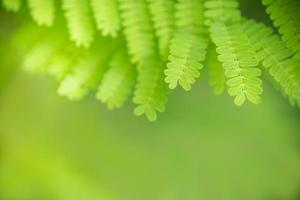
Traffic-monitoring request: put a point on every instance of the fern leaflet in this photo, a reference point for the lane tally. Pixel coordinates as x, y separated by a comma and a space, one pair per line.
87, 72
276, 58
189, 14
106, 14
151, 92
53, 54
285, 16
216, 75
222, 11
62, 62
37, 59
82, 79
162, 13
118, 81
239, 62
138, 29
12, 5
187, 52
188, 47
79, 20
42, 11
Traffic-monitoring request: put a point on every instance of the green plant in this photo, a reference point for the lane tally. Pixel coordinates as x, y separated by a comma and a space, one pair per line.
145, 46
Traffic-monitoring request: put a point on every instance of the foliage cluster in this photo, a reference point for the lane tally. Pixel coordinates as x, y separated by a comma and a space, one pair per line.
120, 48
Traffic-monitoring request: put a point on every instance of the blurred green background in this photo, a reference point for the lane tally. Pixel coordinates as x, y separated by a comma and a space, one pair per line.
203, 147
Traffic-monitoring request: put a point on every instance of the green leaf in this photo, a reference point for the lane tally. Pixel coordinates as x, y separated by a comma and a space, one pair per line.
107, 16
12, 5
118, 81
151, 92
42, 11
79, 20
239, 62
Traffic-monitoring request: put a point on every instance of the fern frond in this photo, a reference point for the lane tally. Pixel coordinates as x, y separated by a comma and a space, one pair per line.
276, 58
151, 91
189, 14
107, 18
42, 11
239, 61
38, 57
87, 72
83, 78
79, 20
52, 54
162, 13
285, 16
138, 29
188, 50
77, 69
216, 75
222, 11
62, 62
189, 45
12, 5
118, 81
